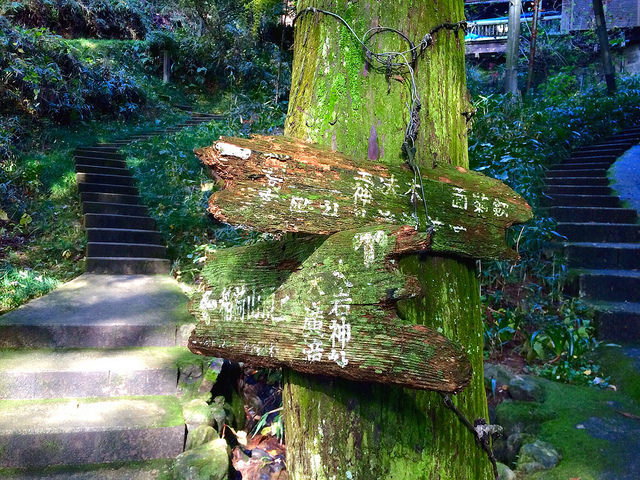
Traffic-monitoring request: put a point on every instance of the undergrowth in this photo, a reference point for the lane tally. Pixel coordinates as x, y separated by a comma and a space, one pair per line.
526, 306
176, 188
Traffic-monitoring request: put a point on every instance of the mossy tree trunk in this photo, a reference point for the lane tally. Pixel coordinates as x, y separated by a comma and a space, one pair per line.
337, 429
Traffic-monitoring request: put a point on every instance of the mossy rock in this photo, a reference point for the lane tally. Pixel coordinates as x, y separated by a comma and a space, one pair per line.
522, 417
206, 462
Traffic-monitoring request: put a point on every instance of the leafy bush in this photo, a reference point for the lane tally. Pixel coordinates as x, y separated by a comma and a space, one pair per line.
81, 18
525, 304
17, 286
42, 77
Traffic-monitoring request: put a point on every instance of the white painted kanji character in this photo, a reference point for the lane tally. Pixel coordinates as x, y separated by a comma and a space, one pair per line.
313, 319
500, 208
459, 198
314, 351
389, 185
480, 203
300, 204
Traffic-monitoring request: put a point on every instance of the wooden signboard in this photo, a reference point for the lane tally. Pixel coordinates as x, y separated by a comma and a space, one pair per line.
325, 302
275, 184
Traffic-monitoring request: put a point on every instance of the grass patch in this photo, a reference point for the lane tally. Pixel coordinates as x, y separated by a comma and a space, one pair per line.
17, 286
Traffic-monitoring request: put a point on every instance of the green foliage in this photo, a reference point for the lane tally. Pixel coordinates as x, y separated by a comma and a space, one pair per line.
20, 285
176, 187
81, 18
525, 304
42, 77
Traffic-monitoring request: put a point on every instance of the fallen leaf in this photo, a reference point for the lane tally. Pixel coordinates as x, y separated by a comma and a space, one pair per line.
629, 415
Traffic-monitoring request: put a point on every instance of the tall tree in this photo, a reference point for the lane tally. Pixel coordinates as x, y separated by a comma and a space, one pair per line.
513, 47
341, 99
603, 41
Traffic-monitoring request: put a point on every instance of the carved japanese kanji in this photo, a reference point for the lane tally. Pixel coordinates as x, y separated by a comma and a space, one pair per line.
325, 302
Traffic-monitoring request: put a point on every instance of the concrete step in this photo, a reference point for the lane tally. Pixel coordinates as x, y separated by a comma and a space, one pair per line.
128, 266
579, 172
124, 180
583, 201
592, 159
99, 161
593, 214
130, 250
610, 285
89, 372
106, 188
124, 235
577, 190
115, 208
602, 181
618, 321
101, 169
603, 255
116, 144
112, 154
608, 145
100, 147
97, 220
580, 166
588, 153
148, 470
106, 311
599, 232
39, 433
109, 198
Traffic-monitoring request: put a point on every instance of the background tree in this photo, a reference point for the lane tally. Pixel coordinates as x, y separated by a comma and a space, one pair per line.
513, 47
338, 429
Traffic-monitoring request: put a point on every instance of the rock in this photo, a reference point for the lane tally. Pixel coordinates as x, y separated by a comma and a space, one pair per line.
514, 444
537, 455
505, 472
210, 376
206, 462
197, 412
200, 435
501, 374
219, 412
525, 388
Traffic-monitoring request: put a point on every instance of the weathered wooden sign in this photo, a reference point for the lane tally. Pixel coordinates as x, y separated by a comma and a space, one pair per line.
325, 302
328, 310
275, 184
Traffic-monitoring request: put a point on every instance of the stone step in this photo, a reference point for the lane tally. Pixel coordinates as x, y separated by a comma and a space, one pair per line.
102, 169
608, 145
593, 214
599, 232
106, 188
99, 161
116, 144
109, 198
592, 159
98, 147
97, 220
579, 172
99, 153
128, 265
583, 201
115, 208
39, 433
106, 311
589, 153
603, 255
129, 250
148, 470
104, 179
577, 190
580, 166
124, 235
580, 181
89, 372
610, 285
618, 321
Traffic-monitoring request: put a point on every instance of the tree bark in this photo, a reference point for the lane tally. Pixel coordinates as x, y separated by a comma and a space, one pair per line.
513, 48
603, 41
166, 66
340, 429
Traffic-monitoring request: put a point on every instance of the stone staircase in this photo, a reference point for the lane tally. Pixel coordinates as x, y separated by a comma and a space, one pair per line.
603, 238
122, 237
89, 372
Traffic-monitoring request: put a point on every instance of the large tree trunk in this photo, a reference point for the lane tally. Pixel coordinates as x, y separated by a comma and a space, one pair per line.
336, 429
